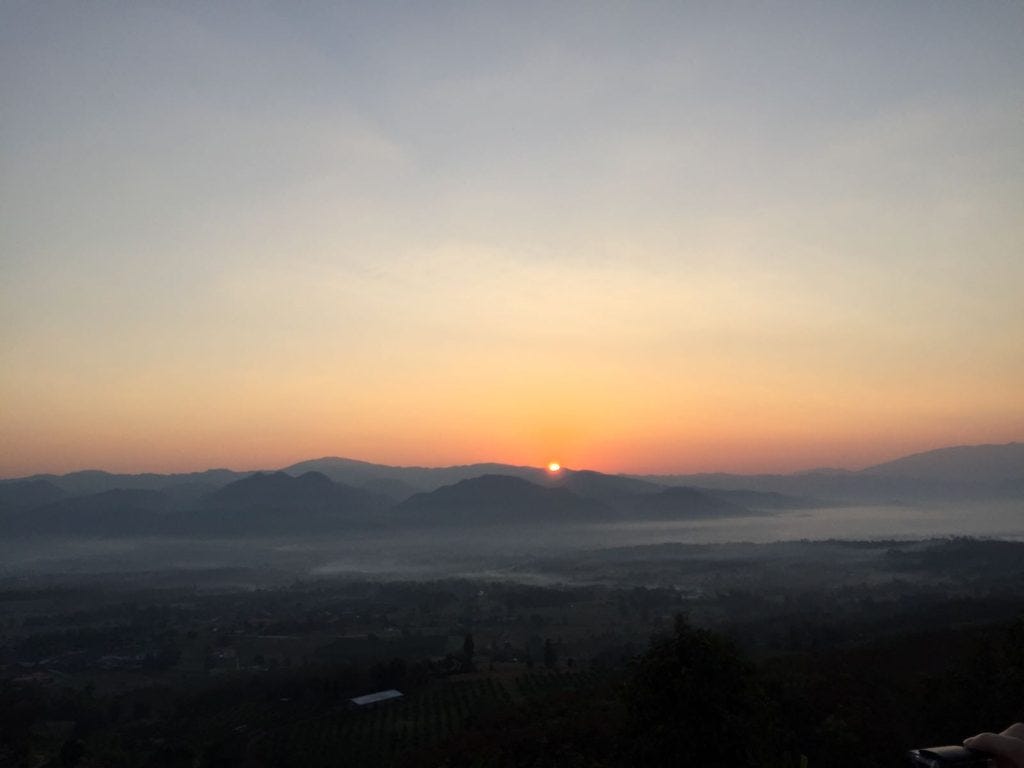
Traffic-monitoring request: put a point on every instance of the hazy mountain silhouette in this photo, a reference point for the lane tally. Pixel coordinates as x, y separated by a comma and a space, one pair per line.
400, 483
299, 501
276, 489
395, 490
497, 500
278, 503
959, 473
25, 494
90, 481
614, 490
190, 494
680, 503
963, 463
364, 474
118, 512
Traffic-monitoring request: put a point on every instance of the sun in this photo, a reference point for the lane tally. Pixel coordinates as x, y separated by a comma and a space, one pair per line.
554, 466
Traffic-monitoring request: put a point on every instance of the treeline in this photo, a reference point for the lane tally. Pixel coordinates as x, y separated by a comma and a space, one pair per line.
692, 698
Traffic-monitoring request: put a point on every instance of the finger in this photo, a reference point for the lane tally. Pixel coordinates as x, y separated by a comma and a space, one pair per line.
998, 744
1016, 730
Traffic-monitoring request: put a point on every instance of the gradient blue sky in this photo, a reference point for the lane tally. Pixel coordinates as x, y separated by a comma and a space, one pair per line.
631, 236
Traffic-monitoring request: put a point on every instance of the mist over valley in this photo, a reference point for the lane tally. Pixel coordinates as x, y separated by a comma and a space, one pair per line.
343, 516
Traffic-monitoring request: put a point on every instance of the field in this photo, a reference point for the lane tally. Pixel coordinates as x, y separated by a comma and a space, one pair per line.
388, 734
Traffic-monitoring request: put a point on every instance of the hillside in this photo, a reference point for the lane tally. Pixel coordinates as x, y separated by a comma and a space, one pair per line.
959, 473
367, 475
337, 494
963, 463
25, 494
681, 503
497, 500
277, 503
119, 512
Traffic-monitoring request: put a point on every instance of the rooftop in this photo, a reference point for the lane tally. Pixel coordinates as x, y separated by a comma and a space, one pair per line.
374, 698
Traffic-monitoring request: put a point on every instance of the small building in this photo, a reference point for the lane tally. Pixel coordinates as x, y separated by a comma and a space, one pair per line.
375, 699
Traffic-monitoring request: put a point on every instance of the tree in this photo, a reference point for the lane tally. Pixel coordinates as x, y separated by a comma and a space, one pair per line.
72, 752
694, 700
550, 654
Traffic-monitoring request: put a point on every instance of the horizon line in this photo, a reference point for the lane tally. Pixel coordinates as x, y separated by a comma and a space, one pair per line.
541, 467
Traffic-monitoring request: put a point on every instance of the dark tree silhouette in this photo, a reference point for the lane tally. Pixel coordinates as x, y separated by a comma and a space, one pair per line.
694, 700
550, 654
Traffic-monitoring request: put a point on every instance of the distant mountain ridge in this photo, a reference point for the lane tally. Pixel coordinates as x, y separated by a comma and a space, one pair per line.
497, 500
964, 463
276, 503
507, 500
117, 512
968, 463
681, 502
957, 473
415, 479
96, 481
281, 490
28, 493
334, 495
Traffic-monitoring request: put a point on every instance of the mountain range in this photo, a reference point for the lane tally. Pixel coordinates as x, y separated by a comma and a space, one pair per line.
335, 495
958, 473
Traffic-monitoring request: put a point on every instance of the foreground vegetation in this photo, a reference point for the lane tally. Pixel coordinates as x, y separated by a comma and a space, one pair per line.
852, 673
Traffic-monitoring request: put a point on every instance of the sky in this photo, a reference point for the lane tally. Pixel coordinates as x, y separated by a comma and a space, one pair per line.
643, 237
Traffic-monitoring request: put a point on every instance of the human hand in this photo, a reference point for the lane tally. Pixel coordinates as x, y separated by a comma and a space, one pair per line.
1007, 747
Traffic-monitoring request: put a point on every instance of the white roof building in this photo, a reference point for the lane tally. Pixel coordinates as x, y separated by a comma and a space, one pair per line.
375, 698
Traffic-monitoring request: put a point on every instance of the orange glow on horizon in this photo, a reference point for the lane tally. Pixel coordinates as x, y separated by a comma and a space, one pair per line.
412, 279
620, 451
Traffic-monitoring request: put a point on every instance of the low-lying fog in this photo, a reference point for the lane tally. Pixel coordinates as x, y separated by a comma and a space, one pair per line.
500, 553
